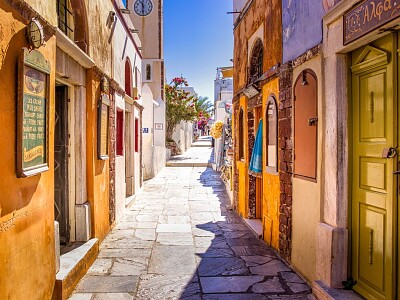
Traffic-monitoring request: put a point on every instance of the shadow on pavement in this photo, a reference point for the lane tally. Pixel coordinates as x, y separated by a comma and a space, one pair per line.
232, 263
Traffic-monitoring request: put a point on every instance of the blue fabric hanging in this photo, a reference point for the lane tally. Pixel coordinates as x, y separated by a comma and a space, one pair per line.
256, 166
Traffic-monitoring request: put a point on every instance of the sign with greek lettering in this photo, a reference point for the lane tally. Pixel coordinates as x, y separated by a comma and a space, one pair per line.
33, 91
367, 16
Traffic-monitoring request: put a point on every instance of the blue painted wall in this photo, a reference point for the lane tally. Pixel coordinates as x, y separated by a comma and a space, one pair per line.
301, 25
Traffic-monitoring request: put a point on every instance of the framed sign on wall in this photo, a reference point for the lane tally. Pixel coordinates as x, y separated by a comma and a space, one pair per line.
33, 114
102, 127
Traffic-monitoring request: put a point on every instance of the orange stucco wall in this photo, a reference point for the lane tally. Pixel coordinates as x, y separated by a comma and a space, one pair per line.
271, 185
97, 170
27, 255
268, 14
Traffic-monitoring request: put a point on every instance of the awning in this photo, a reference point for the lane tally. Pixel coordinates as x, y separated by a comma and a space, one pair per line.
227, 72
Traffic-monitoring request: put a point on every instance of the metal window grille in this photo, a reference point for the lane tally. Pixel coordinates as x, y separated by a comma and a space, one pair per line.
260, 63
64, 15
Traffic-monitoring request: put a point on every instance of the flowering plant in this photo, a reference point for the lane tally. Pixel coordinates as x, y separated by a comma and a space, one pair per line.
216, 129
180, 106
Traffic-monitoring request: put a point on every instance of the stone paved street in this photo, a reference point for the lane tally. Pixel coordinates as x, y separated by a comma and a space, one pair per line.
180, 240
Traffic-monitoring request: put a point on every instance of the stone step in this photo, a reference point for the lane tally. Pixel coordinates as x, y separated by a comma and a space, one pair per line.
202, 145
255, 225
73, 266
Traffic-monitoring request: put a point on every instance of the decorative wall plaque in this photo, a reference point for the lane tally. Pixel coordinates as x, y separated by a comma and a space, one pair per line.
33, 111
367, 16
102, 127
159, 126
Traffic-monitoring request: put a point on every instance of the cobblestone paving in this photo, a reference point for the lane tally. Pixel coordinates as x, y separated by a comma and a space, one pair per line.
179, 240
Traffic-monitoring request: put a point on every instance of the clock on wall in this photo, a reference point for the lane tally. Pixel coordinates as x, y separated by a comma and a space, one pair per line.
143, 7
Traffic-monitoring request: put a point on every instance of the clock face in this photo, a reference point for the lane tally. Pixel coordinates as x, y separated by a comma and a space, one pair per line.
143, 7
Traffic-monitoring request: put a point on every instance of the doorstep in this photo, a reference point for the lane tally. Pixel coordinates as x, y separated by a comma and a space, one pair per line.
256, 226
73, 265
323, 292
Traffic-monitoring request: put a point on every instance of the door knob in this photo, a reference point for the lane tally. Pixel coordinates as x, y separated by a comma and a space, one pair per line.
389, 152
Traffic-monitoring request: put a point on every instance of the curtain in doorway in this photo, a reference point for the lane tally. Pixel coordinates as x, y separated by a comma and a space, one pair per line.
255, 167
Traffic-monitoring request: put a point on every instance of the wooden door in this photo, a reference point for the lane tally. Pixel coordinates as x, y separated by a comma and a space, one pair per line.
61, 214
374, 199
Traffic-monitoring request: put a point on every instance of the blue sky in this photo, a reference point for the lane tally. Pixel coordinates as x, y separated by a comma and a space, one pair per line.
198, 38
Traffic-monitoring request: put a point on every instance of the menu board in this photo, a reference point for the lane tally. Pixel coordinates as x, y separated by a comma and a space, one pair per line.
32, 154
103, 127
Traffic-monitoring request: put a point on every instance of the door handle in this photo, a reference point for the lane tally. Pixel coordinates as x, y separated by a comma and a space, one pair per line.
389, 152
313, 121
396, 173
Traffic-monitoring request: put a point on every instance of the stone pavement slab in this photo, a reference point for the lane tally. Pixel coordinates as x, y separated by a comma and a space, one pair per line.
186, 243
107, 284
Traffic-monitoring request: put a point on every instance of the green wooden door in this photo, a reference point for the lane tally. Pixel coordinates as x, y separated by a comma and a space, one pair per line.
374, 197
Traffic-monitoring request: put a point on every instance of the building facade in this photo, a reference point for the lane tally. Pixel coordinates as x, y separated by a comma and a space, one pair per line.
148, 21
358, 228
71, 138
257, 52
336, 89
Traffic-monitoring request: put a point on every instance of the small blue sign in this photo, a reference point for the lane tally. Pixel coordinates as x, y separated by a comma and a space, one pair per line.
145, 130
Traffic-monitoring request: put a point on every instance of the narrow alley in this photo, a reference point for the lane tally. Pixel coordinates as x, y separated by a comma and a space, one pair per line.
179, 239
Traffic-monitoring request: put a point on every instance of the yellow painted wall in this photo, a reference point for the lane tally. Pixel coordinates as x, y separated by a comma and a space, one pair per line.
27, 259
306, 210
243, 165
97, 170
271, 184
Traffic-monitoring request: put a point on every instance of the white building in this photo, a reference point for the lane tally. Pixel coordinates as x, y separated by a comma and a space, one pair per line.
148, 27
223, 95
127, 66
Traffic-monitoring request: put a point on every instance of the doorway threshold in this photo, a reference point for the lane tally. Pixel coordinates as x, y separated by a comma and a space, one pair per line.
256, 226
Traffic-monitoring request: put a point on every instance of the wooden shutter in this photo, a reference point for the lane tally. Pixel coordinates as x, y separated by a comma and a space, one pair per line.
305, 125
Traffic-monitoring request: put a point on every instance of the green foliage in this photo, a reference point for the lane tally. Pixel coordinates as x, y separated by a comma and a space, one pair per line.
179, 105
204, 106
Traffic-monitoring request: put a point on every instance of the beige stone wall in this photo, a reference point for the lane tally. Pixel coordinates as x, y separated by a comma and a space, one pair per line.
47, 9
100, 35
307, 195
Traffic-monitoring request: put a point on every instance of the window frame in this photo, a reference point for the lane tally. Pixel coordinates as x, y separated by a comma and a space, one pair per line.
271, 100
120, 134
301, 80
241, 135
68, 20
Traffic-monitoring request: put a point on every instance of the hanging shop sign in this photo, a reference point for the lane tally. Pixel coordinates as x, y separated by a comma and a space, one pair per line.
367, 16
103, 127
33, 114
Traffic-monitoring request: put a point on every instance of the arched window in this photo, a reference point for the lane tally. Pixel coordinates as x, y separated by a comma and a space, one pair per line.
72, 20
256, 61
148, 72
241, 134
65, 18
271, 118
128, 78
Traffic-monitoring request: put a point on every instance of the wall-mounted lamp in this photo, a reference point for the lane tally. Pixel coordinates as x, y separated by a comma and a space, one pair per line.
133, 30
125, 11
304, 81
111, 18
